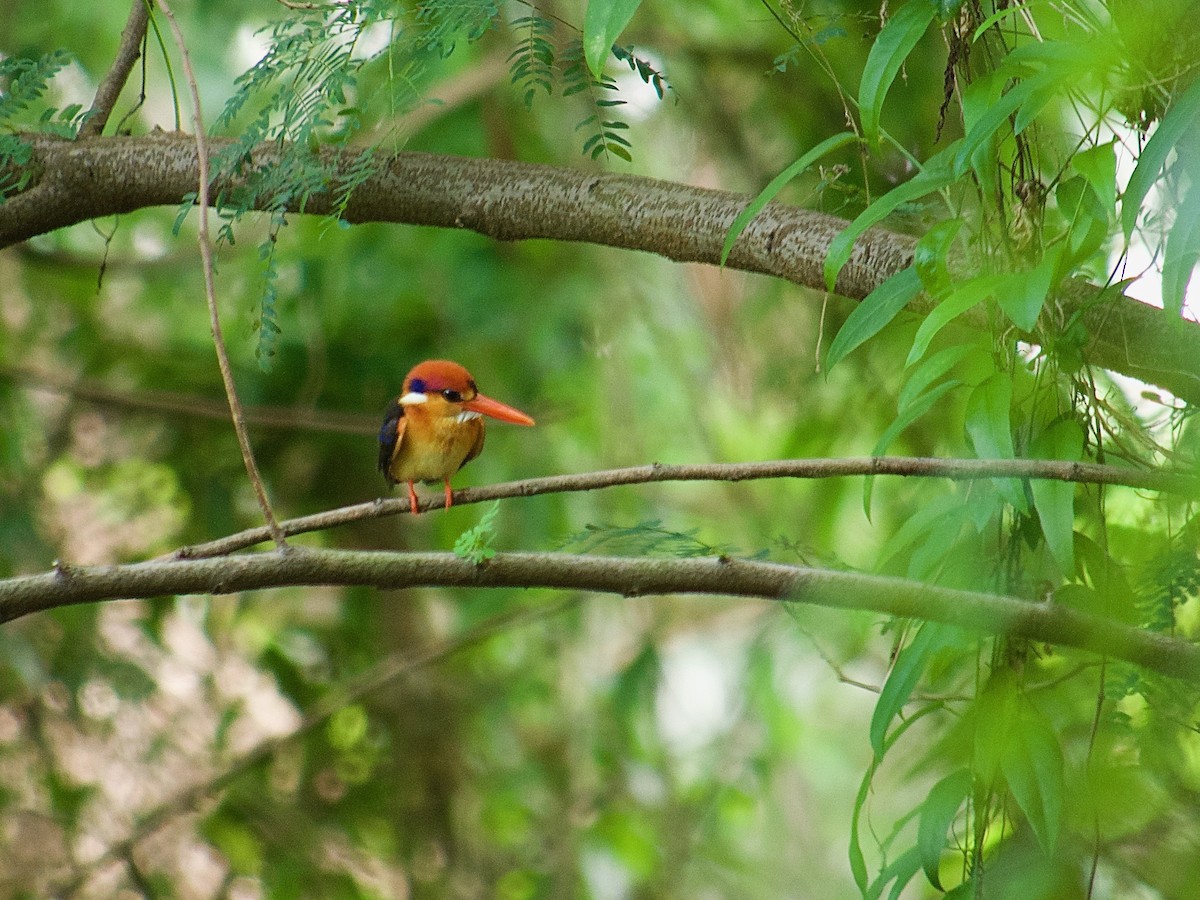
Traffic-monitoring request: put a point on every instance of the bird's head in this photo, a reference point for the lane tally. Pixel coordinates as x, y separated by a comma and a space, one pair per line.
444, 389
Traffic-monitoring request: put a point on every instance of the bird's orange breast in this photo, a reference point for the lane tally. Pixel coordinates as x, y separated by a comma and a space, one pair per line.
432, 448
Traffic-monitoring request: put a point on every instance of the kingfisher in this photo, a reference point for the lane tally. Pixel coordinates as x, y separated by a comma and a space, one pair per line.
435, 427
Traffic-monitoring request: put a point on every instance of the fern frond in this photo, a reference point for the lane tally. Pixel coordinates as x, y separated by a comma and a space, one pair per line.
1170, 581
644, 70
267, 325
531, 65
601, 138
23, 81
648, 538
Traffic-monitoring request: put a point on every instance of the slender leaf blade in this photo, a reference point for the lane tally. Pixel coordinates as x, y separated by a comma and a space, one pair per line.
877, 309
931, 370
891, 48
771, 191
1055, 500
965, 297
902, 679
1024, 293
1098, 166
1175, 125
936, 175
989, 426
937, 815
904, 418
1031, 761
1182, 250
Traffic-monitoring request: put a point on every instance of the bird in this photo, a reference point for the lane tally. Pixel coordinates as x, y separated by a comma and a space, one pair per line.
435, 427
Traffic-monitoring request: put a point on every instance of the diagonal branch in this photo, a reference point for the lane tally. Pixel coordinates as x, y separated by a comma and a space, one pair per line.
206, 255
76, 181
987, 613
923, 467
114, 81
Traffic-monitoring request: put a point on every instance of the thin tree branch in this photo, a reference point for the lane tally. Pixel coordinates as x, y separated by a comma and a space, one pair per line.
987, 613
210, 293
384, 673
921, 467
76, 181
191, 406
114, 81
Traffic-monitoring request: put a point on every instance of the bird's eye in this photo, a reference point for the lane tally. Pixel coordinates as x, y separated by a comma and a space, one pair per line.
452, 396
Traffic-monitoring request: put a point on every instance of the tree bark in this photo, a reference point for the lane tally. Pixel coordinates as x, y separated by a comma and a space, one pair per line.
990, 613
74, 181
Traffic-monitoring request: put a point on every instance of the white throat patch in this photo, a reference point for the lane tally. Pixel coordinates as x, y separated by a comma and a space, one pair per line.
466, 416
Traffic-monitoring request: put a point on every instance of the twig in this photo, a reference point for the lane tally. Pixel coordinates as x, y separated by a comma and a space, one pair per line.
193, 406
910, 466
202, 199
629, 576
114, 81
383, 674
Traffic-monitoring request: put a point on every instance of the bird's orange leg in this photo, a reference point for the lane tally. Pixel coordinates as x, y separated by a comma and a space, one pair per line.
412, 500
447, 482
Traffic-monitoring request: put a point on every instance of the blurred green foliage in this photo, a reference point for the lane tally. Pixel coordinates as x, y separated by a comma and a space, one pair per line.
434, 743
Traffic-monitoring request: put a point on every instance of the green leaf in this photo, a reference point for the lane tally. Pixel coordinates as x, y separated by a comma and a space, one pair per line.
902, 869
602, 25
771, 191
937, 815
931, 555
989, 427
936, 175
988, 421
904, 418
1098, 166
858, 864
1032, 764
877, 309
1175, 125
918, 525
931, 370
1023, 294
1182, 250
475, 544
995, 118
895, 42
902, 679
1089, 218
931, 256
965, 297
1055, 500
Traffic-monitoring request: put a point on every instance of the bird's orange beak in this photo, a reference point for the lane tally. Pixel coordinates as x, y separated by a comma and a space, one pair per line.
496, 410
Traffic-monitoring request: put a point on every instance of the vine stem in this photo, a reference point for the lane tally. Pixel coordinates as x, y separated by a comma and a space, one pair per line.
210, 294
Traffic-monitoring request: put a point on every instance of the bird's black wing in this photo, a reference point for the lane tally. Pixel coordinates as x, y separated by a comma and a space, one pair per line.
390, 434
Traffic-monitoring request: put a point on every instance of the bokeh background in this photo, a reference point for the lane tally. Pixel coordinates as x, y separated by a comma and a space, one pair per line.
575, 745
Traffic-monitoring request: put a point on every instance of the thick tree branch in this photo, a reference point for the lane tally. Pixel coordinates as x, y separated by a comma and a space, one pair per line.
953, 469
980, 612
118, 73
386, 672
81, 180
